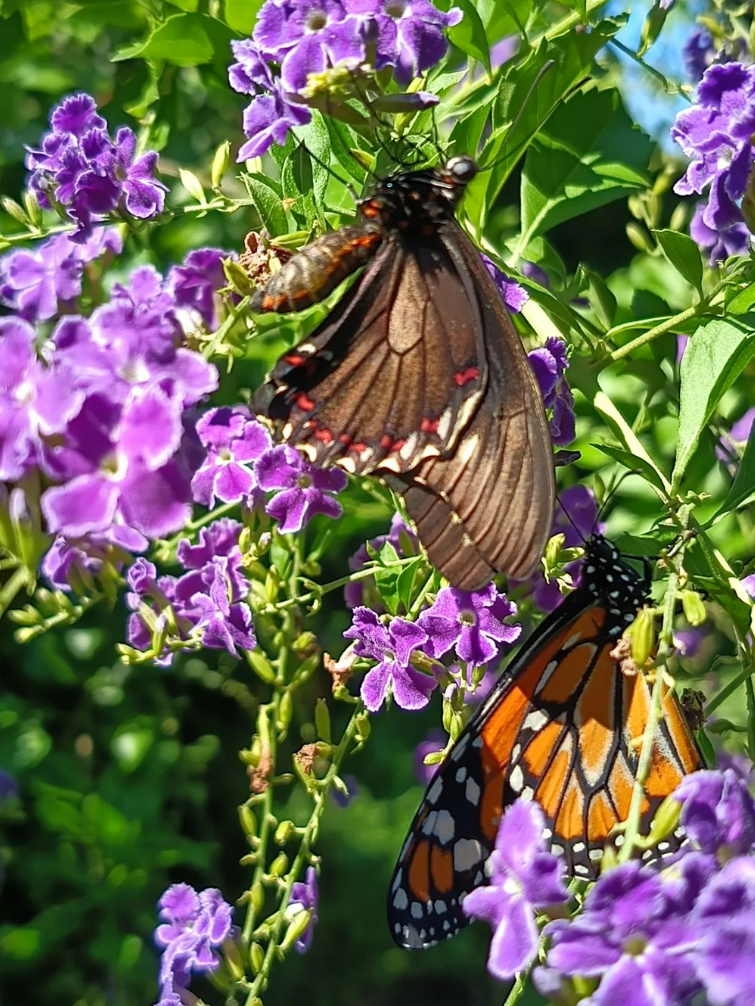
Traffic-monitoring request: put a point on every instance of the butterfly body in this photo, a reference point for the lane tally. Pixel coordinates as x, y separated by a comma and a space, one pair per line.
419, 376
563, 726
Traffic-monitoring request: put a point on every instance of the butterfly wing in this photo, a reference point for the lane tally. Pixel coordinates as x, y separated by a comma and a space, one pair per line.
395, 372
488, 506
562, 727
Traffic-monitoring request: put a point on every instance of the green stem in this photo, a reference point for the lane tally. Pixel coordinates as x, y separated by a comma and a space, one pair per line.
654, 333
667, 86
326, 588
727, 690
211, 348
21, 578
655, 713
303, 856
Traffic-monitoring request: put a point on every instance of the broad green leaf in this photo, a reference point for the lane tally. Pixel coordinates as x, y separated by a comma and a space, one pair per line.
632, 462
342, 140
648, 544
186, 5
469, 34
183, 40
743, 301
538, 82
683, 254
587, 155
266, 197
714, 359
742, 489
241, 15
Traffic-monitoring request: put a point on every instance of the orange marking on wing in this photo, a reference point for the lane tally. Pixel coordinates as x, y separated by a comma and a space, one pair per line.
502, 726
637, 706
620, 784
442, 869
491, 806
539, 748
548, 793
569, 821
681, 737
304, 402
563, 682
419, 871
600, 818
595, 717
295, 359
663, 777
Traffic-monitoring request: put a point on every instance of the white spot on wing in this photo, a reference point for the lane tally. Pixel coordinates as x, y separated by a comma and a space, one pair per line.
435, 790
467, 853
400, 900
516, 779
536, 720
444, 827
472, 792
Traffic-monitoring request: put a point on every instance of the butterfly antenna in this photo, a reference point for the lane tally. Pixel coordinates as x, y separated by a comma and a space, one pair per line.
301, 145
568, 516
614, 489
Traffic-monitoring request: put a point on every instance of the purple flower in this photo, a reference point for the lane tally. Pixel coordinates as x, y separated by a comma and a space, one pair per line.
536, 273
729, 447
206, 602
74, 564
577, 519
89, 173
723, 243
630, 937
523, 878
392, 647
722, 929
193, 927
34, 282
8, 786
748, 583
398, 536
718, 811
267, 120
473, 623
435, 741
688, 641
304, 897
306, 490
512, 293
234, 441
716, 134
406, 34
195, 284
698, 54
306, 36
549, 363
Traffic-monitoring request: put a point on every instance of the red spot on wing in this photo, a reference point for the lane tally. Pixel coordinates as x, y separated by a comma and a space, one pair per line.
325, 436
463, 377
295, 359
358, 447
429, 425
386, 441
304, 402
344, 438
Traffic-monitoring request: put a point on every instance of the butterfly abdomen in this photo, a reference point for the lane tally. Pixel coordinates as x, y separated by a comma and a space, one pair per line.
317, 270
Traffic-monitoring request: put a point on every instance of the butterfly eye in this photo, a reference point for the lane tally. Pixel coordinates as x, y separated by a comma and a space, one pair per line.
462, 169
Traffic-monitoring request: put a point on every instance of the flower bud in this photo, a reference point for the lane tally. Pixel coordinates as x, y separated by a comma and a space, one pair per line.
363, 727
192, 184
693, 607
283, 832
279, 865
261, 665
12, 208
248, 820
256, 957
296, 929
257, 896
322, 720
642, 636
220, 163
666, 820
31, 204
285, 712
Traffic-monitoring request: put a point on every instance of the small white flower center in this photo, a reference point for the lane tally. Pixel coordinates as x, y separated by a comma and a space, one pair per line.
25, 393
635, 945
512, 886
467, 618
114, 466
225, 454
135, 371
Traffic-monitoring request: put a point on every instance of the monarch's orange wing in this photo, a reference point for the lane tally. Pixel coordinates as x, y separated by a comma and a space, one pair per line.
562, 727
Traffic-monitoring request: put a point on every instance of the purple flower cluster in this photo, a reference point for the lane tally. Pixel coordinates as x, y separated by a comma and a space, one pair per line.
647, 934
80, 166
194, 926
297, 42
35, 283
549, 363
469, 623
206, 603
716, 134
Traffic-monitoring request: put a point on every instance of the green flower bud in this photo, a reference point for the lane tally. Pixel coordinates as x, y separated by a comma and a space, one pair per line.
220, 163
285, 712
693, 607
641, 637
296, 929
256, 957
322, 720
248, 820
279, 865
192, 184
284, 831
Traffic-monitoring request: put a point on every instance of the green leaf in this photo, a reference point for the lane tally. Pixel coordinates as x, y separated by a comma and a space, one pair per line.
646, 544
530, 88
627, 436
683, 254
632, 462
266, 196
742, 489
183, 40
241, 15
588, 154
469, 34
742, 301
187, 5
714, 359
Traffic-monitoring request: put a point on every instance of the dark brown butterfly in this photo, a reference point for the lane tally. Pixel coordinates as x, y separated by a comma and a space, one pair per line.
419, 376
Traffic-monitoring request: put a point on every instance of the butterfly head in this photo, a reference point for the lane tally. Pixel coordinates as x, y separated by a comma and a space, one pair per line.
613, 581
410, 199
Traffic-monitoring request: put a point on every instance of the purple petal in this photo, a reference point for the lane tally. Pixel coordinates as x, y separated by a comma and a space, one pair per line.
375, 686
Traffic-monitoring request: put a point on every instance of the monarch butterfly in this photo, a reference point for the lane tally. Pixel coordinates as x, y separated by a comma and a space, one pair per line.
561, 727
418, 374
